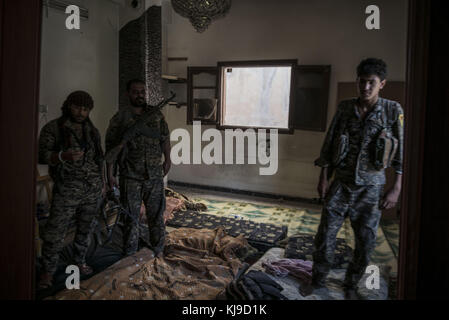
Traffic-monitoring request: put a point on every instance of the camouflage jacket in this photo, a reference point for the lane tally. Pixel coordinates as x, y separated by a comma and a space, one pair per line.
141, 159
357, 167
61, 135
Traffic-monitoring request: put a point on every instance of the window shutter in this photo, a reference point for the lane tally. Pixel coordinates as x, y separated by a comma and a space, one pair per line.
311, 98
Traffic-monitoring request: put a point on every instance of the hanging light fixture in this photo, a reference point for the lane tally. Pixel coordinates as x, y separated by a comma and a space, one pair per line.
201, 12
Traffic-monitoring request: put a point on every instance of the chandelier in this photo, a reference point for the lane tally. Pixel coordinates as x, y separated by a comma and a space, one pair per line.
201, 12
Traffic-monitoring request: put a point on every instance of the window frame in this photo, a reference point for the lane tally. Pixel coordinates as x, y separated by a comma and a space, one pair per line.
191, 72
256, 63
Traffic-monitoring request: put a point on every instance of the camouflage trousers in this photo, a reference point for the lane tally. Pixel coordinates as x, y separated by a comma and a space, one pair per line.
73, 200
151, 192
361, 204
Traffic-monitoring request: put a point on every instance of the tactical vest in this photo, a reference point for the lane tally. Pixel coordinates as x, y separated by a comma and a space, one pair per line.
383, 148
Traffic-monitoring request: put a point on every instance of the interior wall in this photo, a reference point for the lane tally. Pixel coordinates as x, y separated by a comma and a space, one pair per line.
84, 59
325, 32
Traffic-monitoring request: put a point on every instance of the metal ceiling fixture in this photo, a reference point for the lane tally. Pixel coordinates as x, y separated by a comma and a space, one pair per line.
201, 12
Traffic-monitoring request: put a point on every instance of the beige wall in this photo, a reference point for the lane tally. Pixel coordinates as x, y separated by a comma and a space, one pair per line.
314, 32
85, 59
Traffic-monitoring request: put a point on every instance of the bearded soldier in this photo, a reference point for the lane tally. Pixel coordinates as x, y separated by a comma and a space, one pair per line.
71, 147
141, 169
365, 137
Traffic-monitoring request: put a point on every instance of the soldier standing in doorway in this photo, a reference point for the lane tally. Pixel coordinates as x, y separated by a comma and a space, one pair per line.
365, 137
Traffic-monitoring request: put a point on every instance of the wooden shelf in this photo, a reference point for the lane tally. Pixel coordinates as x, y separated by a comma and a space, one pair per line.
179, 80
179, 104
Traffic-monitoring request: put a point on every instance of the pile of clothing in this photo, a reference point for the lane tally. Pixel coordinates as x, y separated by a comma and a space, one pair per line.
254, 285
175, 201
297, 268
187, 204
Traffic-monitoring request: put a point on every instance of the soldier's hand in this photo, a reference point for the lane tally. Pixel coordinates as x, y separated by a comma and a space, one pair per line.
323, 187
390, 199
72, 155
167, 166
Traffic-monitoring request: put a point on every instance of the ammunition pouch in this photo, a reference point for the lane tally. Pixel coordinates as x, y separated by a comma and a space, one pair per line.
340, 150
385, 148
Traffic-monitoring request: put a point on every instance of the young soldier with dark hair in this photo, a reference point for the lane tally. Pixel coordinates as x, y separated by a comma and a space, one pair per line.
71, 146
140, 166
349, 151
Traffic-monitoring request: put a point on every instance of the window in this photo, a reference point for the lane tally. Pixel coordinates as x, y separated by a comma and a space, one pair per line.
256, 94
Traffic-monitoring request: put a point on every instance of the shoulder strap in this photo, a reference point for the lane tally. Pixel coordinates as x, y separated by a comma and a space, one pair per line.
96, 139
62, 136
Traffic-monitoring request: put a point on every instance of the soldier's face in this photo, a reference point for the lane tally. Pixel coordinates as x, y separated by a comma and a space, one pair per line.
369, 86
79, 114
136, 94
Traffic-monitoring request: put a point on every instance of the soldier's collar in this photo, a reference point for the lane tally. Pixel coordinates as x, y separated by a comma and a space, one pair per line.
377, 106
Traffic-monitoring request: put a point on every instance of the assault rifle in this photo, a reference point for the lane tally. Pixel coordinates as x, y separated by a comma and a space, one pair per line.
138, 128
110, 203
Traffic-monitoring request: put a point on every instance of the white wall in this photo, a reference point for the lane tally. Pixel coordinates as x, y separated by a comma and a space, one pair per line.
315, 32
85, 59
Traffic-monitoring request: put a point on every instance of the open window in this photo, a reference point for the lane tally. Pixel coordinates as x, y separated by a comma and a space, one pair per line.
256, 94
260, 94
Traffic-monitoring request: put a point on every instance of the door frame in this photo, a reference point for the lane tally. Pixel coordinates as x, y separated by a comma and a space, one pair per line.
416, 103
20, 27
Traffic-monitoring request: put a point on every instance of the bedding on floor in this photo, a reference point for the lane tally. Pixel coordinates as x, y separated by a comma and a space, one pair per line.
302, 247
301, 221
197, 265
334, 281
261, 236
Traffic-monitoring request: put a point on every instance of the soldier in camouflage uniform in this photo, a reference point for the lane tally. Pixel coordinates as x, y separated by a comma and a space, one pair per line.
140, 167
357, 188
71, 146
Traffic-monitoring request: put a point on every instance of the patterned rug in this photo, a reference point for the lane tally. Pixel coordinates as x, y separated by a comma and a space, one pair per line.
391, 230
262, 236
298, 221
